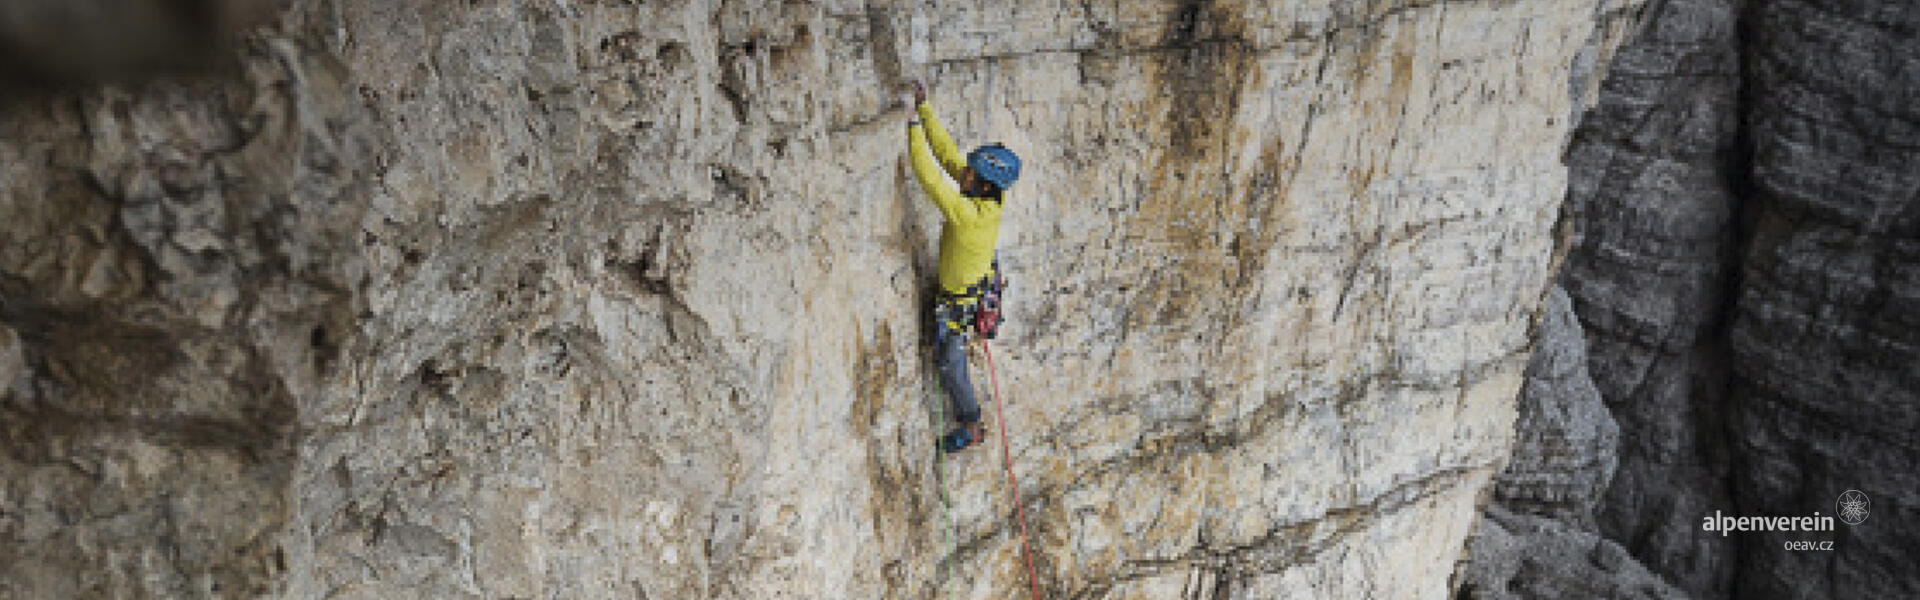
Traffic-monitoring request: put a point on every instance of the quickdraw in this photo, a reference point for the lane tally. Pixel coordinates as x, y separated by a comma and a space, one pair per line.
986, 316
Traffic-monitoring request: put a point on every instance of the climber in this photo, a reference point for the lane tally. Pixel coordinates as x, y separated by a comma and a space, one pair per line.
969, 275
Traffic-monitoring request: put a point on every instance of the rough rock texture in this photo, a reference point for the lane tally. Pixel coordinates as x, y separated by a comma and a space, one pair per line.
1824, 333
1747, 272
1564, 454
1655, 211
584, 299
1539, 538
1521, 555
180, 269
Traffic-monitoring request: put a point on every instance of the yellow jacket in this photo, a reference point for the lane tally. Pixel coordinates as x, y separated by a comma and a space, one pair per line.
971, 225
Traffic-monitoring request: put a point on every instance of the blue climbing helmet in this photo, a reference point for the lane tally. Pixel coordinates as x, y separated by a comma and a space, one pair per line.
995, 163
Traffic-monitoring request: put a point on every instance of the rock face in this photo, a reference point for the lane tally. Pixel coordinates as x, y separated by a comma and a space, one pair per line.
1539, 538
587, 299
1564, 456
180, 274
1745, 265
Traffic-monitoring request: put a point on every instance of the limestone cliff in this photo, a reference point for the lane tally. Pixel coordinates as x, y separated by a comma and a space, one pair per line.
1747, 248
612, 298
1755, 190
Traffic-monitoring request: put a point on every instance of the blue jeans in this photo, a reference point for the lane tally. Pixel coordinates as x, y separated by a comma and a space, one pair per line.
950, 354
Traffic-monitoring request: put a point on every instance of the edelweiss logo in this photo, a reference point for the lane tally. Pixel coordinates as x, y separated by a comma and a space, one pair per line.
1853, 507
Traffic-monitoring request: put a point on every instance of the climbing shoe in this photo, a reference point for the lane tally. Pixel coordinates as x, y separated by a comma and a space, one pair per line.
956, 440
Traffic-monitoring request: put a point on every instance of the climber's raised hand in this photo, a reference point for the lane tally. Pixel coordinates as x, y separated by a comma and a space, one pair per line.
919, 92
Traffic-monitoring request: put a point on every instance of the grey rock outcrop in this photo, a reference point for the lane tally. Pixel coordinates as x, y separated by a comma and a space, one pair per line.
1744, 194
1824, 332
1649, 273
1520, 555
1539, 538
1565, 440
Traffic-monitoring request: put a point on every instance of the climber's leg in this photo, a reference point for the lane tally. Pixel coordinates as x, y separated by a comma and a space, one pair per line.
950, 352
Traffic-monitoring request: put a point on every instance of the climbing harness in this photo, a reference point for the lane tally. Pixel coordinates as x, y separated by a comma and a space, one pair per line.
1019, 512
979, 307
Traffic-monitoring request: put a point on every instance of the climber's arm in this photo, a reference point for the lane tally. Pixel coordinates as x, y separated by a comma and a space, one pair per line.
943, 194
943, 146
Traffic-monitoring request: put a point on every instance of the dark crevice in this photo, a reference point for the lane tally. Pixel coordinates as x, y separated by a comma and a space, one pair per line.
1743, 192
733, 76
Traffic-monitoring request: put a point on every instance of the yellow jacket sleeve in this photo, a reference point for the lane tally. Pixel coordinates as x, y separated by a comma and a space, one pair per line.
943, 194
972, 225
943, 146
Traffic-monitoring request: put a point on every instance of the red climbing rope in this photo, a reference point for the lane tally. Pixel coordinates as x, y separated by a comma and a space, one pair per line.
1000, 415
